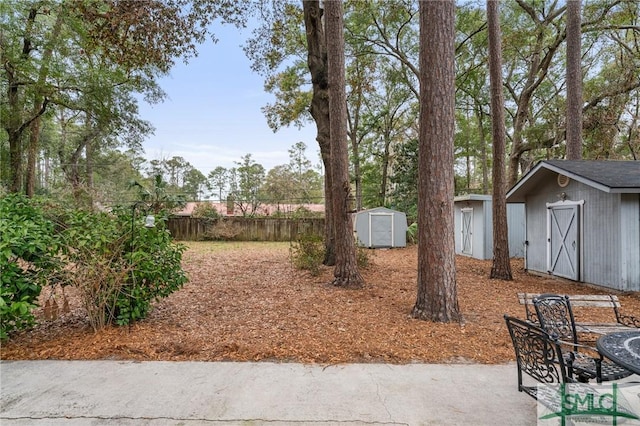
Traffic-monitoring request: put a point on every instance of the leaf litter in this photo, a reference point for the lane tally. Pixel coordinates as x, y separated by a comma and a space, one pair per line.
246, 302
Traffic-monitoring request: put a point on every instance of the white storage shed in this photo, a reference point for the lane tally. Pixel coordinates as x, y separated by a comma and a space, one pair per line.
474, 226
381, 227
583, 221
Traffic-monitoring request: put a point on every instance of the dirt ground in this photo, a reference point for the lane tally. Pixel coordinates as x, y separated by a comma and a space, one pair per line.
245, 302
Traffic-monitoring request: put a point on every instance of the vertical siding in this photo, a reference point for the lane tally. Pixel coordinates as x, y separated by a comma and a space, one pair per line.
479, 231
487, 229
610, 232
536, 217
630, 242
601, 240
516, 225
483, 228
457, 226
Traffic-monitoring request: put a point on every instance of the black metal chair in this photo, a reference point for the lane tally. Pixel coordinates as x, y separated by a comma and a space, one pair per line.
538, 355
585, 362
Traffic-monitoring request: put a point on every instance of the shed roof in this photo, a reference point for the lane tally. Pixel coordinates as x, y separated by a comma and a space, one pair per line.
472, 197
606, 175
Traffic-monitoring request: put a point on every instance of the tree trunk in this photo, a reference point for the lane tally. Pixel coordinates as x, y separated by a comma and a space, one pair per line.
437, 298
40, 105
317, 62
32, 156
574, 82
384, 181
346, 272
501, 267
14, 124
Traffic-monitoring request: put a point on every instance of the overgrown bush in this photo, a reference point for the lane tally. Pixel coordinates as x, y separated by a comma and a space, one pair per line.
307, 253
206, 210
362, 256
120, 266
27, 260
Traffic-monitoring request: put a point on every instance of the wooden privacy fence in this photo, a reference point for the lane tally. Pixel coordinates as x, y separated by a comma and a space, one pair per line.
243, 228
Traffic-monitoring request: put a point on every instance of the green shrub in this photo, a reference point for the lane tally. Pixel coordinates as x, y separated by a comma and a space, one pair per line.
412, 233
119, 266
27, 260
206, 210
307, 253
362, 256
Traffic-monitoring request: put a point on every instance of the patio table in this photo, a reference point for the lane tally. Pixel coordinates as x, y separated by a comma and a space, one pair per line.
623, 348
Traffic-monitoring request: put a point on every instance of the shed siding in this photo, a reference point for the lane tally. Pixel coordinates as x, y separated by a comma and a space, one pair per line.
601, 255
517, 237
630, 242
482, 241
482, 236
487, 230
601, 246
395, 222
609, 234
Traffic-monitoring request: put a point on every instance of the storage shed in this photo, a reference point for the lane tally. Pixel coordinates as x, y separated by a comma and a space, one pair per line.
583, 221
474, 226
381, 227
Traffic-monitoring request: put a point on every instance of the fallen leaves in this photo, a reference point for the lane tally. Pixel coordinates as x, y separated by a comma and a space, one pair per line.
245, 302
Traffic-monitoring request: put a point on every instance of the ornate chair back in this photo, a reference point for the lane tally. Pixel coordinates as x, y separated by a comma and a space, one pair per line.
556, 317
537, 355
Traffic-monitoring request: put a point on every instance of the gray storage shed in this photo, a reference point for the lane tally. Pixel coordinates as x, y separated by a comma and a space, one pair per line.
583, 221
473, 224
381, 227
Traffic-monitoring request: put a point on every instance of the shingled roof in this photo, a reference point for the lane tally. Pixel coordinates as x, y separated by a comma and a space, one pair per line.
609, 176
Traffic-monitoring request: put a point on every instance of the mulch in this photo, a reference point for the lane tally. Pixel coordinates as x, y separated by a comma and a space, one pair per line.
246, 302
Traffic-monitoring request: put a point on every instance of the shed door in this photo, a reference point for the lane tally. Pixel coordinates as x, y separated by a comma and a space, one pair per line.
381, 229
563, 245
467, 231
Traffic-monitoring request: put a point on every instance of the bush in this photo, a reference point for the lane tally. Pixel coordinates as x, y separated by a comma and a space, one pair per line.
206, 210
307, 253
120, 266
412, 233
27, 260
362, 256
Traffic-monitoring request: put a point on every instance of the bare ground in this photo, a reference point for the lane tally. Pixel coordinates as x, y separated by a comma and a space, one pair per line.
245, 302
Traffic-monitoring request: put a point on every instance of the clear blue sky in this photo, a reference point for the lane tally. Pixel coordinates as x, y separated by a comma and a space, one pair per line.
212, 115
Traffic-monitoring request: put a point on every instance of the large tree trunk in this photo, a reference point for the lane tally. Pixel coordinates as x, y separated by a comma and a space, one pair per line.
346, 272
40, 105
317, 62
501, 267
14, 123
437, 298
574, 82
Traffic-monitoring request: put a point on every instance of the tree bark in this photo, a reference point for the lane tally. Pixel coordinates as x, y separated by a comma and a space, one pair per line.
317, 62
574, 82
40, 105
14, 124
501, 267
346, 272
437, 298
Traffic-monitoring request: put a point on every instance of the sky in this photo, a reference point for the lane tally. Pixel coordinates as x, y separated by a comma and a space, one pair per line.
212, 115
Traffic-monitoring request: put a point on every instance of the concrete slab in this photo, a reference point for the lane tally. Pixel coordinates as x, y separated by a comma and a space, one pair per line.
230, 393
